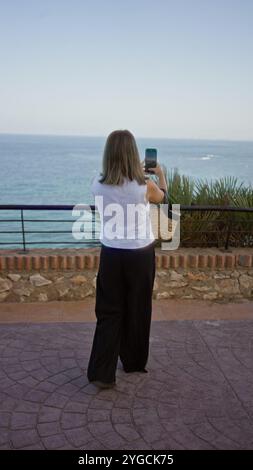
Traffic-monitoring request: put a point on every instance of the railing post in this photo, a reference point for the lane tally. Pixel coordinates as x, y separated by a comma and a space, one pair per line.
93, 225
230, 221
23, 230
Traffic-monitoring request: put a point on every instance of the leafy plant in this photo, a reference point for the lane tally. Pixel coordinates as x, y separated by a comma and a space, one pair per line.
209, 227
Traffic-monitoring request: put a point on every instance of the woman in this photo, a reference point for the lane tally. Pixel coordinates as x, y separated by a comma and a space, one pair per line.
126, 271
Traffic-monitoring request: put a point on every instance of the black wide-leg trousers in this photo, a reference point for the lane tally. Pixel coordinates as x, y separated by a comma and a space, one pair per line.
123, 310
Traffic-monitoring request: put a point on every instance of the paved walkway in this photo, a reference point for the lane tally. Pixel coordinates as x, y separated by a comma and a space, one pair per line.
197, 393
83, 311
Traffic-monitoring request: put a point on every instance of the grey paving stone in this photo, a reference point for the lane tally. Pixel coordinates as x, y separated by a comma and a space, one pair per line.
127, 431
4, 435
38, 446
98, 403
27, 406
98, 415
6, 382
18, 391
40, 374
75, 407
76, 372
46, 386
73, 420
68, 389
78, 437
23, 438
29, 381
120, 415
57, 400
99, 429
5, 446
112, 440
18, 375
59, 379
48, 414
23, 420
37, 396
31, 365
54, 442
49, 429
5, 417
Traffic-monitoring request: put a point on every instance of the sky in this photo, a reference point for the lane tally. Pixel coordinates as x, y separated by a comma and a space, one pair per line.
160, 68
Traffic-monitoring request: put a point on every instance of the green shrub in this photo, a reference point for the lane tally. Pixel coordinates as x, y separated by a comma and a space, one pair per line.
212, 228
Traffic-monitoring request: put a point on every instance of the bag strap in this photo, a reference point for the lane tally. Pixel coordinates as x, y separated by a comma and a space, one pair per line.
166, 201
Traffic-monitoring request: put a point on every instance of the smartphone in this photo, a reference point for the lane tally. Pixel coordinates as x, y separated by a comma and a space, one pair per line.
150, 159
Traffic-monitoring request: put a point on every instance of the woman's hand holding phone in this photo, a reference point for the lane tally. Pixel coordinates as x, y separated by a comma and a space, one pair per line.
156, 170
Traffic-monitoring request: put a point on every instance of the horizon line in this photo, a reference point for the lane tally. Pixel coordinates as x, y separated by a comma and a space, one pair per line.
137, 137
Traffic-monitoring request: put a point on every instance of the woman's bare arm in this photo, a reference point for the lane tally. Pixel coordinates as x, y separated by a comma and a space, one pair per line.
154, 192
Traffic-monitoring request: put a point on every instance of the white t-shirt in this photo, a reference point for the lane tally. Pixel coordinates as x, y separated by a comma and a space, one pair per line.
124, 214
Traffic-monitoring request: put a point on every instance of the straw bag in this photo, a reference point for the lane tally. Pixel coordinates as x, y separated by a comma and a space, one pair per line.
160, 217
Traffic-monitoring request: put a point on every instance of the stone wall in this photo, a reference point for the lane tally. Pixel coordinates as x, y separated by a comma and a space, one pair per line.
45, 275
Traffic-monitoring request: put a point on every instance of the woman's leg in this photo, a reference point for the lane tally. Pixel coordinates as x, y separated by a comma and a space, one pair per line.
139, 270
109, 311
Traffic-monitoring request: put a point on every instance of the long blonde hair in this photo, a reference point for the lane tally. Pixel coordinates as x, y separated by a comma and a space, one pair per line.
121, 159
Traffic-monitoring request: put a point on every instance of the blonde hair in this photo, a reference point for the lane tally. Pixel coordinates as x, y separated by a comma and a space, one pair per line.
121, 159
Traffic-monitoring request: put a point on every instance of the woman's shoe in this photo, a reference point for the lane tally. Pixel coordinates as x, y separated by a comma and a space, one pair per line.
127, 370
100, 384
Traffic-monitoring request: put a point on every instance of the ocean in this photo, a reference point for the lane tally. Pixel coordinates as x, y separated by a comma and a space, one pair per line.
58, 170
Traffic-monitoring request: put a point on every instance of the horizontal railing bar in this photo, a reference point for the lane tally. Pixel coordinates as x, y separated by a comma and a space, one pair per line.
51, 243
47, 231
214, 222
48, 207
43, 220
89, 220
10, 220
216, 208
185, 229
92, 207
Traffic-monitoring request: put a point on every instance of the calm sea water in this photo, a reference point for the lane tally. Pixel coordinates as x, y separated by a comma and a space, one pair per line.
59, 169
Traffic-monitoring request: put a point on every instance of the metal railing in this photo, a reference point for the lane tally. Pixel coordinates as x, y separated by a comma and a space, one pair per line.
24, 231
200, 225
219, 226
